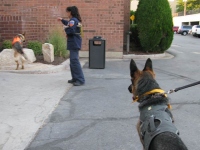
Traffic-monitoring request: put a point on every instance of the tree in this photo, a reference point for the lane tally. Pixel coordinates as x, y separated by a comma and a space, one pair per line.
191, 5
154, 24
132, 12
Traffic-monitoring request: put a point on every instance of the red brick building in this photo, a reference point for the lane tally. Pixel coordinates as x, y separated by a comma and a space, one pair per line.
106, 18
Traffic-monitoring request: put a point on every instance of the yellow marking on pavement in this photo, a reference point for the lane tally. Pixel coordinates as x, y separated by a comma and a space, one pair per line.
176, 45
196, 52
175, 50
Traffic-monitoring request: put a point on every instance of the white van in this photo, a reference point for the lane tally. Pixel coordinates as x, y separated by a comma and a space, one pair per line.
196, 30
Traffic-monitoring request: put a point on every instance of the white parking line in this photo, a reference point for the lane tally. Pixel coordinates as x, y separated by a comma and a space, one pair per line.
196, 53
176, 50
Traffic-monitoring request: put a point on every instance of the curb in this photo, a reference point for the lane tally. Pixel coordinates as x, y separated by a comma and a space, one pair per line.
52, 69
65, 64
152, 56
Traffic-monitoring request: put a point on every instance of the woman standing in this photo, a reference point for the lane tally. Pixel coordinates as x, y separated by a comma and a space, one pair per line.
74, 40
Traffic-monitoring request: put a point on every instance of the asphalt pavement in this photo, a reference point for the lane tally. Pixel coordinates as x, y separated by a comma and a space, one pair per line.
100, 115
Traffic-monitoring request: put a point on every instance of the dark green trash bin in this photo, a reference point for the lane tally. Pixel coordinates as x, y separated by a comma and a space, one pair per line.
97, 47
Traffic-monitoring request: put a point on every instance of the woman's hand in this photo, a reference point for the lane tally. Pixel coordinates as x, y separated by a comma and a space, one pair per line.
59, 18
65, 27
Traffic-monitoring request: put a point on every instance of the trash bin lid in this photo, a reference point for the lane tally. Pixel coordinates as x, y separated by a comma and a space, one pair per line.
97, 37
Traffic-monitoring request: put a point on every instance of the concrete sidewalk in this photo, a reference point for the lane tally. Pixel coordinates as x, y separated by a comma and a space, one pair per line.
26, 100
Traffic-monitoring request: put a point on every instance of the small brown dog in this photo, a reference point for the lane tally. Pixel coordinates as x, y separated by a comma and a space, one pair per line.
17, 45
155, 127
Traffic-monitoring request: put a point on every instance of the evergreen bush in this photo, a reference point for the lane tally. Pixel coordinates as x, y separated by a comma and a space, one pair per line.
154, 24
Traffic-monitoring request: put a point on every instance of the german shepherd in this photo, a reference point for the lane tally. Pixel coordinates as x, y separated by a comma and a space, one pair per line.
155, 126
17, 45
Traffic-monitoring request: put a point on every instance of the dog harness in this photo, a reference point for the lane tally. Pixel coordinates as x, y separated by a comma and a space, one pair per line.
149, 116
15, 40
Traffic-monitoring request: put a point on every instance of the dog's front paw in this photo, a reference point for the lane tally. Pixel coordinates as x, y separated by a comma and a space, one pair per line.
173, 119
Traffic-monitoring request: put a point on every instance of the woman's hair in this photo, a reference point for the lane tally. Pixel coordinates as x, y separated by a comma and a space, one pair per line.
74, 12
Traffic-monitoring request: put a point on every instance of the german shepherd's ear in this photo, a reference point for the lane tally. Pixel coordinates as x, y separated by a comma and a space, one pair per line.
133, 68
24, 33
148, 65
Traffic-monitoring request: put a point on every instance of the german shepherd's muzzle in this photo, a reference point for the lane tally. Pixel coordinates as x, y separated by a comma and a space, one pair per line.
155, 126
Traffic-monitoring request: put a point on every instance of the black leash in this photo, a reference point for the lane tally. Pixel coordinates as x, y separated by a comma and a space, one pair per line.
183, 87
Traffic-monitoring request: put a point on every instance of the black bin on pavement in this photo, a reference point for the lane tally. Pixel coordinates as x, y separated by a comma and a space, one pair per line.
97, 47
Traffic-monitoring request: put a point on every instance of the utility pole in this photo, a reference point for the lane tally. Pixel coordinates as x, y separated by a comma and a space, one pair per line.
185, 2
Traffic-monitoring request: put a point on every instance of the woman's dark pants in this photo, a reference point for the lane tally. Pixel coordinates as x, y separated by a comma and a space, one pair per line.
76, 70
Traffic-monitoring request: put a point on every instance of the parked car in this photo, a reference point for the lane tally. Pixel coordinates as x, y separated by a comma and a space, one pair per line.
196, 30
175, 29
184, 29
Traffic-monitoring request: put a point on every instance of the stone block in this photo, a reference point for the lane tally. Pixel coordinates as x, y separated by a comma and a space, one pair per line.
48, 52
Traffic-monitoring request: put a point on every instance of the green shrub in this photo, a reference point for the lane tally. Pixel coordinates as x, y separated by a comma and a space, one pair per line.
134, 37
154, 24
36, 46
7, 44
58, 40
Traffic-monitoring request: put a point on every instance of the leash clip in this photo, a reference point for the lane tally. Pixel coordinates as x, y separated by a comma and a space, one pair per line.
170, 92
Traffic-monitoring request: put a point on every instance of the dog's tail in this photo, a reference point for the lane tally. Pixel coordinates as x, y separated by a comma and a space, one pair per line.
25, 57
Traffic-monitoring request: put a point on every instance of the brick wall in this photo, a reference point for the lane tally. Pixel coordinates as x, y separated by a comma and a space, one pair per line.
106, 18
9, 25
